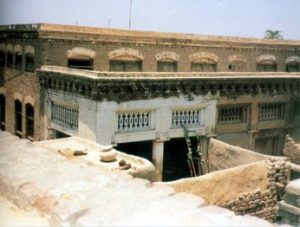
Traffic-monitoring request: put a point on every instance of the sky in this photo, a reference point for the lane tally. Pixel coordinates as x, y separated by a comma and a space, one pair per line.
245, 18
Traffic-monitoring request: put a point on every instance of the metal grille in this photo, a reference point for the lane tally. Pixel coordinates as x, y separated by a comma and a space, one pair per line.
233, 114
133, 120
64, 116
271, 111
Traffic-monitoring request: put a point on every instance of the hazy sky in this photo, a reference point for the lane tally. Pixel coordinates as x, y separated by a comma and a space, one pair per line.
248, 18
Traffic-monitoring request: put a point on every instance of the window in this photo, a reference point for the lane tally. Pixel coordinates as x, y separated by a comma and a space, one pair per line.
203, 67
29, 61
292, 67
18, 61
165, 66
2, 112
10, 61
81, 63
293, 64
125, 66
2, 59
273, 111
233, 114
18, 118
266, 63
29, 121
236, 67
266, 67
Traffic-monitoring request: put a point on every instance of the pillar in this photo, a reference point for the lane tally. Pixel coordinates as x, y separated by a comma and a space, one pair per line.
158, 158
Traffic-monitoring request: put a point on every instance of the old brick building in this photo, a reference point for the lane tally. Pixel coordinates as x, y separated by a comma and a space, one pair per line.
148, 86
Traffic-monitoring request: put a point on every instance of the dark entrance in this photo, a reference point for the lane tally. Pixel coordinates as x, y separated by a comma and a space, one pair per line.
175, 159
58, 135
141, 149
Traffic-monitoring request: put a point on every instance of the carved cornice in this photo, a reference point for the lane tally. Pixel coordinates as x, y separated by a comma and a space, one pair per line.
133, 88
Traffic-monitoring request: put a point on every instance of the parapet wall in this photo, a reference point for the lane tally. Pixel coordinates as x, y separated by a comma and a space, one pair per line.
223, 156
248, 189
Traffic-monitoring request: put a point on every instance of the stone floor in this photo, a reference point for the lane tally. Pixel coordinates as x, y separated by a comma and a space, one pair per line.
80, 194
11, 215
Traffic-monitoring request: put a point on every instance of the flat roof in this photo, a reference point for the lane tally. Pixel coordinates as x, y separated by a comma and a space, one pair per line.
85, 31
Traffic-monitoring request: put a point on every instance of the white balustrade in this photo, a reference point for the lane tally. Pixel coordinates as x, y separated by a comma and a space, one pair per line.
133, 120
186, 118
64, 116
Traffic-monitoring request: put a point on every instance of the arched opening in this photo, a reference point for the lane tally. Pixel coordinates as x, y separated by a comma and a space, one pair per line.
29, 62
204, 65
81, 62
18, 60
267, 66
2, 112
10, 59
2, 59
126, 65
293, 67
125, 60
18, 118
29, 121
266, 63
166, 65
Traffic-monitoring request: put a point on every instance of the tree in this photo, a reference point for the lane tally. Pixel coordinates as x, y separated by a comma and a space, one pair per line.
273, 34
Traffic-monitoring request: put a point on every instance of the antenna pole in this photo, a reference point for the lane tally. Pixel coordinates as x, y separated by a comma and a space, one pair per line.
130, 8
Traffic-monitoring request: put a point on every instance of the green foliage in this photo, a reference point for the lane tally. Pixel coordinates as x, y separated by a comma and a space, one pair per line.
273, 34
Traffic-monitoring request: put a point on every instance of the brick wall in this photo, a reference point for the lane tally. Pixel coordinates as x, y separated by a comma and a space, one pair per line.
292, 150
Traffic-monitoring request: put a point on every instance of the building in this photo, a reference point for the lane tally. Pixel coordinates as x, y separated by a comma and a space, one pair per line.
144, 91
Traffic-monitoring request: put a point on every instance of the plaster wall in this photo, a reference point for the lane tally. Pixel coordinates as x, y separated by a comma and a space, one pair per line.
98, 121
221, 186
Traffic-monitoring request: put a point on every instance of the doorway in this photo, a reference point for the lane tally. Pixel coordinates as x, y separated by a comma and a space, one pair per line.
141, 149
175, 159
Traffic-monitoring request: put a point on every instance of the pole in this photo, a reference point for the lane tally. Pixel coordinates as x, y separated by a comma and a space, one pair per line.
130, 8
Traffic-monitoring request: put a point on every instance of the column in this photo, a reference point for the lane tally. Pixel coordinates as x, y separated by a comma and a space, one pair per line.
158, 158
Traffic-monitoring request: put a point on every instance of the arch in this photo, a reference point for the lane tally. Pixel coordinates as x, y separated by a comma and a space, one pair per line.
167, 56
18, 117
292, 64
204, 57
237, 58
2, 47
18, 96
29, 49
9, 47
18, 48
81, 58
266, 63
29, 62
2, 111
80, 52
9, 56
29, 100
126, 54
3, 90
29, 117
2, 58
293, 60
266, 59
